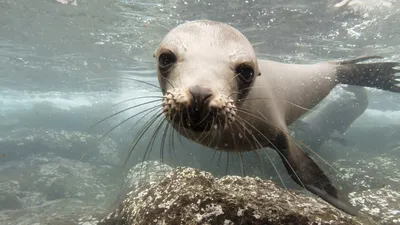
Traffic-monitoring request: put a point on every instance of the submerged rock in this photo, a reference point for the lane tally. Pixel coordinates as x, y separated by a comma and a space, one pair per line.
374, 186
190, 196
368, 173
145, 173
383, 204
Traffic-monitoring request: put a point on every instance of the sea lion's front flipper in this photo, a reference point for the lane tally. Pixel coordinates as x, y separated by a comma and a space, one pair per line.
305, 172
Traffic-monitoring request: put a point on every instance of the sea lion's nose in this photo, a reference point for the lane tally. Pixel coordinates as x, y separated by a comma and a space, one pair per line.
200, 96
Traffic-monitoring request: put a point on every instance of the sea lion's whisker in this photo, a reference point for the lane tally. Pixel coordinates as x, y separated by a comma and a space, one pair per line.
163, 145
151, 142
213, 156
260, 146
180, 136
189, 119
219, 159
125, 120
273, 165
136, 98
241, 164
163, 142
186, 130
113, 128
277, 150
262, 163
244, 129
146, 126
166, 79
205, 117
143, 82
288, 135
100, 78
149, 146
170, 130
171, 142
303, 144
136, 141
233, 137
234, 146
281, 100
208, 132
153, 138
122, 78
264, 119
315, 153
265, 151
227, 84
251, 87
259, 118
218, 134
276, 99
232, 150
124, 110
257, 43
141, 118
227, 162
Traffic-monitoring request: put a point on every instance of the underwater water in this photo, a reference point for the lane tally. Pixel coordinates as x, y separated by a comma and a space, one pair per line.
65, 67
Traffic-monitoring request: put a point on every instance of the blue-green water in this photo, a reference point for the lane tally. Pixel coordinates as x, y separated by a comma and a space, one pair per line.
61, 70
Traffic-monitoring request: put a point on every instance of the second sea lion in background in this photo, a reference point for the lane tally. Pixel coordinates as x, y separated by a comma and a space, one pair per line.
332, 119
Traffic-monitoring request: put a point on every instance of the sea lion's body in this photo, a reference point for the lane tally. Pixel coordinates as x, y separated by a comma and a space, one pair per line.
217, 93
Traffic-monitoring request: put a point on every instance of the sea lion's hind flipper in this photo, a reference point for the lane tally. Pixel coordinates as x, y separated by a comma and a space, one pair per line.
381, 75
305, 172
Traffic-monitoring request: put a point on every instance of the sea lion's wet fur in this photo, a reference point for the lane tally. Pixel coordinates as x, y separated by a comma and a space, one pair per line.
254, 114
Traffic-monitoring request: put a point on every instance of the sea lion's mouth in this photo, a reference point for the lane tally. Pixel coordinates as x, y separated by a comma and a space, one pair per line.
182, 110
198, 120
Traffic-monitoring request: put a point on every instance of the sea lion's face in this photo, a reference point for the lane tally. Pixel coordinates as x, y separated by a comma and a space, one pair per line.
204, 68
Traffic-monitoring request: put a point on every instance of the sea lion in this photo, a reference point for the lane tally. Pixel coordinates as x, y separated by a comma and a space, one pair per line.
217, 93
331, 120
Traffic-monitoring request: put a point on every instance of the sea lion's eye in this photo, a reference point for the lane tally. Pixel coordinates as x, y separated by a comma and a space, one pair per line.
245, 73
166, 60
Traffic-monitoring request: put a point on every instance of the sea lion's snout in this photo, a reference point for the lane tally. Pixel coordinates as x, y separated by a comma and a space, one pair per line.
200, 97
198, 108
199, 115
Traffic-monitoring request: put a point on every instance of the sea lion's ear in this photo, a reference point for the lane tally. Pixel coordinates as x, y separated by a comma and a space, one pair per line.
259, 74
305, 172
154, 53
